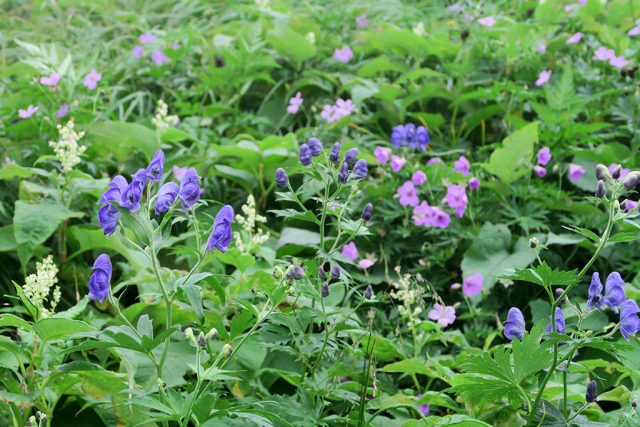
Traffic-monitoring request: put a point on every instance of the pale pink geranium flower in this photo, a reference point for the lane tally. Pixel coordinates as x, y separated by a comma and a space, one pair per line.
28, 112
343, 54
462, 165
147, 38
62, 111
382, 155
444, 315
422, 214
91, 80
350, 251
365, 263
159, 57
51, 80
397, 163
439, 218
544, 156
603, 54
419, 178
472, 285
635, 31
362, 21
576, 172
435, 161
542, 48
488, 21
295, 103
575, 38
543, 78
345, 107
408, 194
138, 51
618, 61
454, 7
540, 171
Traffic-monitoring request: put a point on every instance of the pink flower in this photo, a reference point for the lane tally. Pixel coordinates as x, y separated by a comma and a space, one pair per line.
444, 315
91, 80
462, 165
603, 54
30, 111
440, 218
576, 172
542, 48
618, 61
489, 21
345, 107
434, 161
350, 251
422, 214
343, 54
175, 46
575, 38
544, 156
382, 155
62, 111
51, 80
408, 194
362, 21
147, 38
159, 57
295, 103
570, 7
472, 285
474, 183
342, 108
454, 7
397, 163
635, 31
543, 77
137, 51
179, 172
365, 263
419, 178
540, 171
456, 197
455, 286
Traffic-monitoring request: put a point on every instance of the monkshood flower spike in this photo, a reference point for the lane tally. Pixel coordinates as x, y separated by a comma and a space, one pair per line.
350, 157
166, 197
156, 167
560, 325
221, 234
305, 155
629, 320
190, 190
613, 295
282, 179
514, 327
592, 392
131, 196
100, 281
315, 146
334, 156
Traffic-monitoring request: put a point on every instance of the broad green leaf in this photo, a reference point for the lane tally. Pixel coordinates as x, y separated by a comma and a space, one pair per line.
59, 328
512, 160
290, 43
120, 140
544, 275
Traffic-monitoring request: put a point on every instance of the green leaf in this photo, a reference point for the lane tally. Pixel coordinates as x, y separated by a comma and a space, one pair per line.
544, 275
120, 140
513, 159
60, 328
13, 170
298, 236
291, 44
194, 295
583, 232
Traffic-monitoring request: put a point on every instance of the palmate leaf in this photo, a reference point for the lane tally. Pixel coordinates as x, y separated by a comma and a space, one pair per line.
544, 275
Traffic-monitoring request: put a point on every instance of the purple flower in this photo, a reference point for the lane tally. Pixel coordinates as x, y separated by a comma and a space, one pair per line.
138, 51
592, 392
295, 103
560, 325
422, 138
156, 166
540, 171
628, 205
397, 136
334, 155
576, 172
344, 107
343, 54
474, 183
362, 21
315, 146
350, 251
457, 199
472, 285
623, 171
62, 111
190, 190
221, 234
367, 211
613, 295
365, 263
147, 38
489, 21
543, 78
408, 194
108, 217
305, 155
462, 165
454, 7
629, 321
397, 163
604, 54
350, 157
575, 38
166, 196
444, 315
91, 80
544, 156
132, 194
30, 111
419, 178
410, 135
435, 161
424, 409
635, 31
117, 187
423, 215
382, 155
542, 48
343, 174
439, 218
100, 281
514, 327
618, 61
51, 80
282, 179
360, 169
159, 57
179, 172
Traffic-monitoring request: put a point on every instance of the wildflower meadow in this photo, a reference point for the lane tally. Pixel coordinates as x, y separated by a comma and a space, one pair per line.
283, 213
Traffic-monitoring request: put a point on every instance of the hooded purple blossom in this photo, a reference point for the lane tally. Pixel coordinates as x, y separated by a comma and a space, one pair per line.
315, 146
132, 194
166, 196
156, 166
221, 234
462, 165
514, 327
282, 179
360, 169
613, 295
117, 187
190, 190
305, 155
350, 157
100, 280
629, 321
410, 136
560, 325
334, 155
343, 174
109, 215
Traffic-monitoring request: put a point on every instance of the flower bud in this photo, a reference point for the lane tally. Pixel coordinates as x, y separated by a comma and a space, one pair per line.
533, 242
277, 272
305, 155
343, 175
634, 403
602, 172
43, 420
188, 334
212, 334
455, 286
600, 189
32, 421
334, 156
615, 173
325, 290
592, 392
350, 157
367, 211
282, 179
360, 169
294, 272
368, 293
315, 146
202, 339
335, 272
38, 415
160, 383
631, 180
227, 349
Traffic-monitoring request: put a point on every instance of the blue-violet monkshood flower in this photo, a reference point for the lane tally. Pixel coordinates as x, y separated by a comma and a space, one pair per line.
560, 325
282, 179
109, 215
305, 155
343, 175
629, 320
360, 169
514, 327
156, 166
350, 157
100, 280
221, 234
613, 292
190, 190
334, 156
166, 196
131, 196
315, 146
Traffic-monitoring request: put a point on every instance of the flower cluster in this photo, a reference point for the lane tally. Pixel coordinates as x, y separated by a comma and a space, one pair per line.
609, 55
253, 235
295, 103
342, 108
343, 54
38, 286
410, 136
91, 80
162, 120
350, 250
66, 147
157, 55
543, 158
408, 293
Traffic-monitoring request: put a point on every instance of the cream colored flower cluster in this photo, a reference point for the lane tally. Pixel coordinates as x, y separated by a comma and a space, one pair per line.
66, 147
38, 286
162, 120
251, 235
407, 294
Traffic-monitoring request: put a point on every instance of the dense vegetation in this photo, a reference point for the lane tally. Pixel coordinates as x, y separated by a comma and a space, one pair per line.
285, 213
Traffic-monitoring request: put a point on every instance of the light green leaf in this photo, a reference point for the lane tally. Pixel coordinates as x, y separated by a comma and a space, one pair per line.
513, 159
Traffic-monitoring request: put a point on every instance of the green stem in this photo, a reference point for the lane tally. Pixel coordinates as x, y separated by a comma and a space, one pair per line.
167, 300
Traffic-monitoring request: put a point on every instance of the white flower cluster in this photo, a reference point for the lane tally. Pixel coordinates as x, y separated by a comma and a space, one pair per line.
251, 234
38, 286
66, 147
162, 120
407, 295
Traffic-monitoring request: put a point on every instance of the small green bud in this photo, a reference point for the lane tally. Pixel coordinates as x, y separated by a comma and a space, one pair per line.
227, 349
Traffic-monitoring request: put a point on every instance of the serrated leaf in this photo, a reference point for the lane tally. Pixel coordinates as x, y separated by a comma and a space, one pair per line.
544, 275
